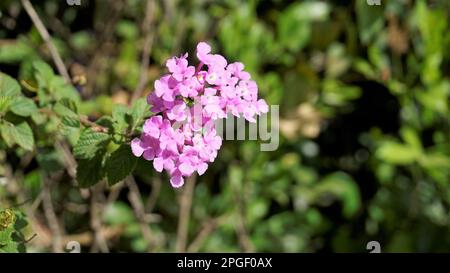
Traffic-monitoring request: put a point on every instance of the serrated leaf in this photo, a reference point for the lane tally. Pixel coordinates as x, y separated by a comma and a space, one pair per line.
90, 171
44, 71
105, 121
90, 143
5, 235
20, 134
66, 107
11, 247
7, 133
5, 102
121, 118
23, 106
61, 90
8, 86
24, 136
70, 122
120, 164
138, 112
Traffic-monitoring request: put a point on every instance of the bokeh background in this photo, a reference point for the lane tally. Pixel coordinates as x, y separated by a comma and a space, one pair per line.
364, 150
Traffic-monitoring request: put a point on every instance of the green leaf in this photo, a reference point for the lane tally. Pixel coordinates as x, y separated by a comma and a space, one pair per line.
66, 107
70, 122
370, 21
11, 247
44, 72
61, 90
120, 117
411, 138
7, 132
23, 106
90, 171
120, 164
294, 25
397, 153
15, 52
344, 187
20, 134
138, 112
89, 143
8, 86
5, 102
5, 235
24, 136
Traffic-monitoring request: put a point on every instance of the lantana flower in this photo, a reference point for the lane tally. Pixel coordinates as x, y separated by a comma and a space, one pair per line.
181, 137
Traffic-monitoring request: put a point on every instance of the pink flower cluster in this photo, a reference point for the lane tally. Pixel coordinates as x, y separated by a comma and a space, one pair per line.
181, 137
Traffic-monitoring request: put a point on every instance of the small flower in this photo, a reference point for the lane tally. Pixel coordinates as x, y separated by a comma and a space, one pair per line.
181, 137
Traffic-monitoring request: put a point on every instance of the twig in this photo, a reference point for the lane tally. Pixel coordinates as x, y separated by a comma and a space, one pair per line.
98, 128
208, 227
31, 238
240, 224
50, 215
156, 189
96, 222
148, 32
185, 213
69, 160
47, 39
135, 198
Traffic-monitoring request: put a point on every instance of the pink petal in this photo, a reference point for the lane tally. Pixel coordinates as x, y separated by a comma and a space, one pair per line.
136, 147
149, 154
203, 48
201, 168
158, 164
186, 169
177, 181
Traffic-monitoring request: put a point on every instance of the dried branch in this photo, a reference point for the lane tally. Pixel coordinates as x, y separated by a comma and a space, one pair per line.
208, 227
240, 223
185, 213
50, 215
47, 39
96, 222
135, 198
156, 189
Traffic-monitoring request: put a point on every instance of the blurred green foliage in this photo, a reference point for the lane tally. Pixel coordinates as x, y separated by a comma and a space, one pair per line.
364, 94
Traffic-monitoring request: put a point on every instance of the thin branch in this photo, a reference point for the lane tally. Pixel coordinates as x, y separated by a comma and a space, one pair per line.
50, 215
240, 223
135, 198
96, 127
208, 227
47, 39
148, 32
96, 222
156, 189
69, 160
185, 213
